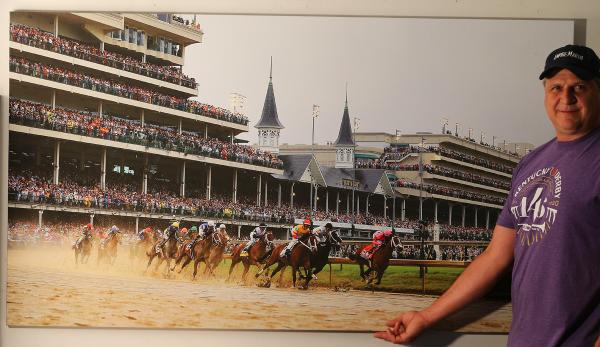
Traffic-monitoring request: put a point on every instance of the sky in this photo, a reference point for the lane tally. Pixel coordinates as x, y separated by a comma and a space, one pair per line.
404, 74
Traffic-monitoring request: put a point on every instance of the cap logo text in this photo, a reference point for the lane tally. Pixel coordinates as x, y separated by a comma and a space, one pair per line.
569, 54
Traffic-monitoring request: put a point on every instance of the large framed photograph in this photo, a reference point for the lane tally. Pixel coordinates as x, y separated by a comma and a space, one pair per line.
239, 172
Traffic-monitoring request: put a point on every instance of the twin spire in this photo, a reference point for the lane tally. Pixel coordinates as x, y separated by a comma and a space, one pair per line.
270, 119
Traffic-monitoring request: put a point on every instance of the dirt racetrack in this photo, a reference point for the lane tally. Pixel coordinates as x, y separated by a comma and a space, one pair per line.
46, 289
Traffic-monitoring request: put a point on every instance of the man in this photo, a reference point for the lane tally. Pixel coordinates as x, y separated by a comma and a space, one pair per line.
300, 231
170, 231
145, 233
113, 230
322, 231
549, 225
378, 239
85, 233
255, 235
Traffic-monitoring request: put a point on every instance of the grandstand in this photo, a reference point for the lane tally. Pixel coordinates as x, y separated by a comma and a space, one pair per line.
105, 127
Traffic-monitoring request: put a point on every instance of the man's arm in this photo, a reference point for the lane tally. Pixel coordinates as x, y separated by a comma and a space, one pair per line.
477, 279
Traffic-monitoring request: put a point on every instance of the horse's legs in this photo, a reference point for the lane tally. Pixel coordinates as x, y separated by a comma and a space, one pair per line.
362, 271
185, 263
196, 262
150, 258
168, 267
246, 268
294, 270
231, 267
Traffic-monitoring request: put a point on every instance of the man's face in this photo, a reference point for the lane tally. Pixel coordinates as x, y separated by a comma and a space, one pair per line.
572, 105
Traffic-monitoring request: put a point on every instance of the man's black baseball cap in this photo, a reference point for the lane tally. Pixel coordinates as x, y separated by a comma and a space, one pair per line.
580, 60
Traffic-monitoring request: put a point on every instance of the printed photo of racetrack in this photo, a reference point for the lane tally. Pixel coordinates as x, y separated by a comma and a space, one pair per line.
152, 183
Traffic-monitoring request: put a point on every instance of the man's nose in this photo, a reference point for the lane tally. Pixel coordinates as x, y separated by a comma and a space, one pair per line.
568, 96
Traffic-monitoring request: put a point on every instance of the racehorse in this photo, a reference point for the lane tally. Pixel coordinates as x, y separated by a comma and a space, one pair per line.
216, 254
84, 248
319, 259
256, 254
141, 246
300, 257
200, 252
166, 252
379, 261
108, 248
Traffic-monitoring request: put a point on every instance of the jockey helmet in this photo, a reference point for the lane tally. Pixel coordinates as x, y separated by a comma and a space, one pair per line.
328, 226
193, 228
114, 229
184, 230
307, 222
262, 225
388, 233
222, 226
89, 226
175, 224
211, 223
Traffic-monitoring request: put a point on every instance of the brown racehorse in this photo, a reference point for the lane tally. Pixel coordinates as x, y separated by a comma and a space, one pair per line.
379, 261
299, 258
166, 252
256, 255
140, 247
84, 248
200, 251
108, 248
216, 254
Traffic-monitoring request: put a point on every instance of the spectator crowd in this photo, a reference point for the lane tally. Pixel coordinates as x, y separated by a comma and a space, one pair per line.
116, 88
115, 128
38, 38
447, 191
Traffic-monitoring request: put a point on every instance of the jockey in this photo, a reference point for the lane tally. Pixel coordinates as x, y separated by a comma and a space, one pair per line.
191, 230
322, 231
206, 229
169, 232
299, 232
142, 234
255, 235
183, 231
378, 238
113, 230
85, 233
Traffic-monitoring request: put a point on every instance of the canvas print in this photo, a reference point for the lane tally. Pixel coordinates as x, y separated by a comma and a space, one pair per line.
245, 172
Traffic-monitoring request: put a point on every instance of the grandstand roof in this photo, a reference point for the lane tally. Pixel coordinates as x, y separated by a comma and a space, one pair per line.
269, 117
345, 135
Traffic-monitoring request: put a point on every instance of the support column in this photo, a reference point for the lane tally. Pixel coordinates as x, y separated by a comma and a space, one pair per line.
143, 57
182, 189
326, 201
145, 178
232, 137
40, 219
487, 219
81, 161
279, 195
55, 177
464, 213
367, 205
92, 219
348, 203
403, 215
53, 101
56, 26
101, 46
337, 203
142, 118
180, 125
450, 214
384, 206
208, 182
316, 195
235, 175
420, 209
476, 217
435, 212
292, 195
137, 225
394, 212
258, 190
239, 232
100, 109
266, 191
206, 131
103, 170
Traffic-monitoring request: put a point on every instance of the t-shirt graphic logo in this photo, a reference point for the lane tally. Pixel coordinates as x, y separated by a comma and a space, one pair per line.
535, 205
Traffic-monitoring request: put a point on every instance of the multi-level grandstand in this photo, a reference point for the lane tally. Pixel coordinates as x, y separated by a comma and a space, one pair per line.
106, 128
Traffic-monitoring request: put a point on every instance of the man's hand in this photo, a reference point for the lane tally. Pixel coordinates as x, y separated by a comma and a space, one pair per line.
404, 328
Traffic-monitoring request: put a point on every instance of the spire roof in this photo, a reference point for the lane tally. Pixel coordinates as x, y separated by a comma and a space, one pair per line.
269, 117
345, 134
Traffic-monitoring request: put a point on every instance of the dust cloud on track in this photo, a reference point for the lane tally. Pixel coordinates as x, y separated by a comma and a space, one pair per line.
45, 288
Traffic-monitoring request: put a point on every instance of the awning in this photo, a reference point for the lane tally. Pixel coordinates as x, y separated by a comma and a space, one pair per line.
366, 156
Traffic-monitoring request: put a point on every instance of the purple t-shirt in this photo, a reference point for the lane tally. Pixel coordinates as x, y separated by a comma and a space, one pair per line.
554, 206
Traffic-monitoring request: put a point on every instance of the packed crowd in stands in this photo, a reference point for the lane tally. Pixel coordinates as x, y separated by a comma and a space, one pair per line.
446, 172
483, 143
113, 87
395, 154
460, 253
446, 191
44, 40
133, 131
459, 233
